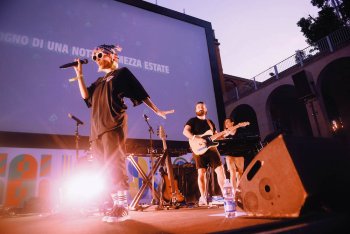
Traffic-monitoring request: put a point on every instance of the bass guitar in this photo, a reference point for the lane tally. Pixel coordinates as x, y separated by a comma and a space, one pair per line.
199, 148
170, 189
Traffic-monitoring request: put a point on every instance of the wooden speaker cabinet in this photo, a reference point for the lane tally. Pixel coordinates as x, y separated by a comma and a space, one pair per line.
295, 174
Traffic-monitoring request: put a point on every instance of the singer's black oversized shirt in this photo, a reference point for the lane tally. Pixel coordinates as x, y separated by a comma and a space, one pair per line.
106, 96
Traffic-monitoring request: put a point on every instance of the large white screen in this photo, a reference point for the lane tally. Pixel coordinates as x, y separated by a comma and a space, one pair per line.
168, 56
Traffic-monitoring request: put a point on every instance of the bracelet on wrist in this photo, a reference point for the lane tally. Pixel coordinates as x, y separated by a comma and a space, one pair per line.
193, 137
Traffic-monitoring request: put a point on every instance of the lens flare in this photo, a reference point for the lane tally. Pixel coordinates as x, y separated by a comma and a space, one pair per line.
83, 187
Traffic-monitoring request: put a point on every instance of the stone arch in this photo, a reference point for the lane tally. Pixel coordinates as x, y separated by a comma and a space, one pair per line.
286, 113
333, 84
244, 113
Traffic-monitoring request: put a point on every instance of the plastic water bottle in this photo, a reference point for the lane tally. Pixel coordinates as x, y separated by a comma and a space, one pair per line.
229, 200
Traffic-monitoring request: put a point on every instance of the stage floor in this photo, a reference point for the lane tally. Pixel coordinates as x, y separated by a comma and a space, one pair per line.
182, 220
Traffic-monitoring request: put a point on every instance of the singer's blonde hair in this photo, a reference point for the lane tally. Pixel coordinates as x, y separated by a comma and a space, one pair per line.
109, 49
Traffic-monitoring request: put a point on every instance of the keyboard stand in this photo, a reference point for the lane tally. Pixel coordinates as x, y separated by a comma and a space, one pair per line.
146, 179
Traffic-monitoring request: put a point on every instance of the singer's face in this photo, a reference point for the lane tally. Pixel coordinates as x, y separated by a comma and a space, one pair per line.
103, 60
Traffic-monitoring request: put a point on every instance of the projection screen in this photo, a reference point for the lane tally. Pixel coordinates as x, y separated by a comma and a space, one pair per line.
170, 53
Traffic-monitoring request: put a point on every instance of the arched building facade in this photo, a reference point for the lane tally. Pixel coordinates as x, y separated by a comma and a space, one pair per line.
322, 111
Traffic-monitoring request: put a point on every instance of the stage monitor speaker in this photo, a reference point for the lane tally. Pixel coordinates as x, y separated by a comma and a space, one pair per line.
303, 85
294, 175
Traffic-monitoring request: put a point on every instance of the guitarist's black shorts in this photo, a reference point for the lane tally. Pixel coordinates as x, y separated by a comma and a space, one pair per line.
212, 157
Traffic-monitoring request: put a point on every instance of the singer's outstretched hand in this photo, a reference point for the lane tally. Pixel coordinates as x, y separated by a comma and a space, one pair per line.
164, 113
160, 113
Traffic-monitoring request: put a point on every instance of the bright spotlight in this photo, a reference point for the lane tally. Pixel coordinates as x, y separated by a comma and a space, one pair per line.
83, 187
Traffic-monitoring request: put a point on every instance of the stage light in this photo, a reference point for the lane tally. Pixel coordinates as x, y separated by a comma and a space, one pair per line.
337, 125
82, 188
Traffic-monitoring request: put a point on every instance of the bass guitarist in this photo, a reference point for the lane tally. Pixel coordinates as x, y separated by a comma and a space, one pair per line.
235, 163
193, 130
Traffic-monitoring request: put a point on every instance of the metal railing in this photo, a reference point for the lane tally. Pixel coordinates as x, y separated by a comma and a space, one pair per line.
326, 45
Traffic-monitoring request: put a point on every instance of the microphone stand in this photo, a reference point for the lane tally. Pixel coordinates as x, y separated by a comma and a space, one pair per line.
150, 130
77, 137
77, 141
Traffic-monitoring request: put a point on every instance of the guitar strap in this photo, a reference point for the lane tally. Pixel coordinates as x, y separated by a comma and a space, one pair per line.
210, 125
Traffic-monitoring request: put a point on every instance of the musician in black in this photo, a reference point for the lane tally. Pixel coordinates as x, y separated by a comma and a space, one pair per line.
193, 130
235, 163
105, 97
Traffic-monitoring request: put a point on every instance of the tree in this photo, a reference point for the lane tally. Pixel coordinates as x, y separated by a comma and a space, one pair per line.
333, 15
345, 10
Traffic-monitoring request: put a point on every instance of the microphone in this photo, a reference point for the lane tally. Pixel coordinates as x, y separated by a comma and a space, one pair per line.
84, 61
145, 116
75, 118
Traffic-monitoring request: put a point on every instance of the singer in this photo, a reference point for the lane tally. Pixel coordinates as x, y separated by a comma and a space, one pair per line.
105, 97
